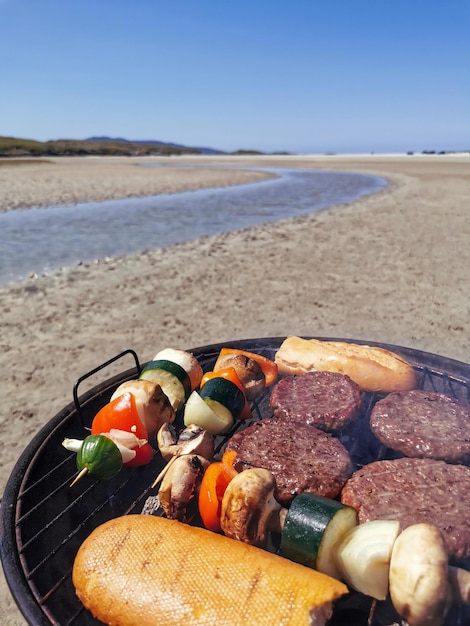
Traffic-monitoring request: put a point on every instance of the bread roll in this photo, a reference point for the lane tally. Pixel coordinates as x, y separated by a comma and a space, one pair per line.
140, 569
372, 368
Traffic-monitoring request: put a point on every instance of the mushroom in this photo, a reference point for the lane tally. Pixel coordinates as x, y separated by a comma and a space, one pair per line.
418, 575
249, 509
191, 440
180, 486
184, 359
459, 585
152, 404
248, 371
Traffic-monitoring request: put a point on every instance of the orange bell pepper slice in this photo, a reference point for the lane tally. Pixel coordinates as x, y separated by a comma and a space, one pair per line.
230, 374
268, 367
122, 414
213, 485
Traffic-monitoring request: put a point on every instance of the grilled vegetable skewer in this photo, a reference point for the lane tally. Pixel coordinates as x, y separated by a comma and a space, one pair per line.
135, 413
373, 558
311, 528
224, 394
120, 431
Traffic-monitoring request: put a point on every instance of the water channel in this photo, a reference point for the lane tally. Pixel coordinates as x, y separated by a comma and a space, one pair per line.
40, 240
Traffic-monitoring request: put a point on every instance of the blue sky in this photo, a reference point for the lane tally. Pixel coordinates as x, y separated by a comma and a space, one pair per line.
299, 75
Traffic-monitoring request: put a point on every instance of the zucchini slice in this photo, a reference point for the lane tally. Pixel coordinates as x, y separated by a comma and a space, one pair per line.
100, 456
184, 359
208, 414
226, 393
364, 556
313, 529
172, 378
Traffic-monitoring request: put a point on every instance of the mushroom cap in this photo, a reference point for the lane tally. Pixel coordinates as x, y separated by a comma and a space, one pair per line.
197, 440
180, 486
418, 575
459, 580
247, 505
191, 440
248, 371
152, 404
184, 359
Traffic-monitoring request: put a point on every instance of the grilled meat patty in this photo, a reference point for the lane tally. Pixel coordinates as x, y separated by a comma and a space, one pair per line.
327, 400
423, 424
413, 491
301, 457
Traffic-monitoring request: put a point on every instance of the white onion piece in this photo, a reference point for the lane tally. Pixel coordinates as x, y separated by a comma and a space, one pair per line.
73, 445
127, 455
364, 555
125, 438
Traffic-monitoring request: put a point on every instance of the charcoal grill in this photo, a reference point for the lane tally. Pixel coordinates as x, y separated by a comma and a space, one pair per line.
44, 520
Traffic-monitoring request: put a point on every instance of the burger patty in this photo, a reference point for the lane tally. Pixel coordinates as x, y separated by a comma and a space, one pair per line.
327, 400
423, 424
300, 457
414, 491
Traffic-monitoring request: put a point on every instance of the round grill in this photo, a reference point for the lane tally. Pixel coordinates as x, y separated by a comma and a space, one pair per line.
44, 521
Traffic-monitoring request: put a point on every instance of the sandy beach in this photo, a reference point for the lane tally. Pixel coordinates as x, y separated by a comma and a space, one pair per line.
391, 267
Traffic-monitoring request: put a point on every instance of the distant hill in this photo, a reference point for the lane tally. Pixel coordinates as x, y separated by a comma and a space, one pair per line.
106, 146
153, 142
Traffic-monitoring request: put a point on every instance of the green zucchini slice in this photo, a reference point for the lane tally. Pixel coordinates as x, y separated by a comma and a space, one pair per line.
171, 377
226, 393
313, 529
100, 456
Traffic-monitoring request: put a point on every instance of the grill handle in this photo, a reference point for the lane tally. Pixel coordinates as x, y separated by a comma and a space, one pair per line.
94, 371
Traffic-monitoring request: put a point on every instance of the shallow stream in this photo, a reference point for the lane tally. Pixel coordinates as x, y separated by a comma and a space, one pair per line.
39, 240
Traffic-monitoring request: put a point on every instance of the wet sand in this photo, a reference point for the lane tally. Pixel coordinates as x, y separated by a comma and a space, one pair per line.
390, 267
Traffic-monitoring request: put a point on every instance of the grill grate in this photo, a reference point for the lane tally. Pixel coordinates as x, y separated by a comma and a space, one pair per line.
44, 521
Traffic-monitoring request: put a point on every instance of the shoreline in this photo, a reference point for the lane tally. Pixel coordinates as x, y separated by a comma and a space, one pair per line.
40, 221
390, 267
59, 181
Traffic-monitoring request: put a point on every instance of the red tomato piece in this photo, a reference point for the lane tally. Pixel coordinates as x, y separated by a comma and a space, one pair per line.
144, 454
121, 413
